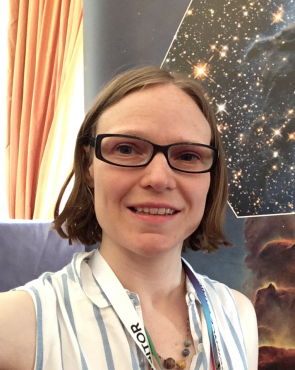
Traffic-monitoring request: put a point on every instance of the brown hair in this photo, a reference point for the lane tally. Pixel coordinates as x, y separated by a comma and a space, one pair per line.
78, 222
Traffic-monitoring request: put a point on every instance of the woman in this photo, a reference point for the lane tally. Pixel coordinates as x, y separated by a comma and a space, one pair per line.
150, 181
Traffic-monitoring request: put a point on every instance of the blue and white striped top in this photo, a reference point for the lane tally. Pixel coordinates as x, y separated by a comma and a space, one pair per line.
78, 332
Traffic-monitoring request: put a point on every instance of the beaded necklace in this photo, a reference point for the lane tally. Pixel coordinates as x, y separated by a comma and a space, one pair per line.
203, 300
170, 363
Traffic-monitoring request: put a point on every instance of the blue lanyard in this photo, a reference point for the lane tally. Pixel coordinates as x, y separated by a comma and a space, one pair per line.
200, 292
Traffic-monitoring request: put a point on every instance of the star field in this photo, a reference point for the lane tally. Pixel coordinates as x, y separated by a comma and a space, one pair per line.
243, 54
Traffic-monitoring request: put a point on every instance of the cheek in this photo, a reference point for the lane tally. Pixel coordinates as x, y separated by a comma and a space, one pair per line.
203, 185
208, 183
104, 204
110, 187
102, 192
200, 193
198, 203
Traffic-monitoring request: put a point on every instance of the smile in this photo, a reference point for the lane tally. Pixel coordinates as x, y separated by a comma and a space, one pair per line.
153, 211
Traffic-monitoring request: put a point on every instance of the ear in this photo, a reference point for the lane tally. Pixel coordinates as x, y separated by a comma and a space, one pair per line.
89, 176
88, 167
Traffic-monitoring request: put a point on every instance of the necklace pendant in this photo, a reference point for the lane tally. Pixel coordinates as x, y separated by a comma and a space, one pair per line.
169, 363
187, 343
181, 364
185, 352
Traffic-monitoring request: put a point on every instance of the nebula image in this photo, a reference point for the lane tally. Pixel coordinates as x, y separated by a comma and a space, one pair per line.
243, 54
270, 243
275, 314
271, 358
278, 254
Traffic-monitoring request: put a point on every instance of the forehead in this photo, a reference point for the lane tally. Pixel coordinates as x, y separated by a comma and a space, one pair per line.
163, 108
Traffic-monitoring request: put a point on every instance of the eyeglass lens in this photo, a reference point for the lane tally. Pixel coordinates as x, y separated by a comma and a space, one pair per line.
128, 151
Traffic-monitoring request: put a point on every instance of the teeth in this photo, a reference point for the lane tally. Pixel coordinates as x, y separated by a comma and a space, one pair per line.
155, 211
161, 211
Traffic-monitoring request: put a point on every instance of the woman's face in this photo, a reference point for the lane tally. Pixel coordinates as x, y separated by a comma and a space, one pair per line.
164, 115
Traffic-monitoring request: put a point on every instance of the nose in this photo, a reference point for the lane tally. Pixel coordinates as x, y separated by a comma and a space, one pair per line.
158, 175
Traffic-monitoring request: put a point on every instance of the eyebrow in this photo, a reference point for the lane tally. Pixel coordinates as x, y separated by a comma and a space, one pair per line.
142, 135
137, 133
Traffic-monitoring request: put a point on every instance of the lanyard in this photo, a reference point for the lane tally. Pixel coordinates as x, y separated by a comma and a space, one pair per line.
121, 303
202, 297
125, 310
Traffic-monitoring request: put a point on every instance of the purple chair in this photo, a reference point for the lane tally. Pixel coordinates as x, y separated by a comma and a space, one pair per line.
29, 248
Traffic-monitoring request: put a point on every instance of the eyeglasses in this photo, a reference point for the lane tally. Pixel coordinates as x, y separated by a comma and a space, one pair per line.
132, 151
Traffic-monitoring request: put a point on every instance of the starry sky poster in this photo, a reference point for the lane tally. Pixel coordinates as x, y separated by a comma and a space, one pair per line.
243, 54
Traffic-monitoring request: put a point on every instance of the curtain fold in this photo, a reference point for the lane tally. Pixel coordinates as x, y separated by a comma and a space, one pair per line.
46, 63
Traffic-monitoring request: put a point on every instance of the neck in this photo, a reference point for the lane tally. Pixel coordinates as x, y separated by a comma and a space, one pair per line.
156, 279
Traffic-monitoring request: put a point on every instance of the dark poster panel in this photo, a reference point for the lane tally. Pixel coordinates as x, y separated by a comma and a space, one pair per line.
243, 53
123, 34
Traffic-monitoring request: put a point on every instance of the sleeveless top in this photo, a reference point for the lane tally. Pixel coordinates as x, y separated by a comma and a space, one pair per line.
81, 331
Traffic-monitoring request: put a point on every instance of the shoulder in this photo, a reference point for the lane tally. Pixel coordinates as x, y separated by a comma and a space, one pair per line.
238, 311
17, 330
244, 305
249, 326
247, 314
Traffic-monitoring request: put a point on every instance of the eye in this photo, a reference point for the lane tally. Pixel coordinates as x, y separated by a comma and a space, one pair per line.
124, 149
189, 157
187, 154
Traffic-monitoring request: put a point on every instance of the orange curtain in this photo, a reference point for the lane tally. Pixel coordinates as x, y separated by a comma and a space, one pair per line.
43, 39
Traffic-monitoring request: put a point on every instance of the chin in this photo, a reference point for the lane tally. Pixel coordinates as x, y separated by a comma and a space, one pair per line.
155, 245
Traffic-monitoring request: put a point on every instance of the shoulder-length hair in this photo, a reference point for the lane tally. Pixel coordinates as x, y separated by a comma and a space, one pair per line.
77, 221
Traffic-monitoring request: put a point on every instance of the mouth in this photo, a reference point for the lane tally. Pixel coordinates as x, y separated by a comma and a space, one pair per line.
153, 211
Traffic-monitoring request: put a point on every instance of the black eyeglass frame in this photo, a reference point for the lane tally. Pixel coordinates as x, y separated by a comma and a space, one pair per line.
96, 144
